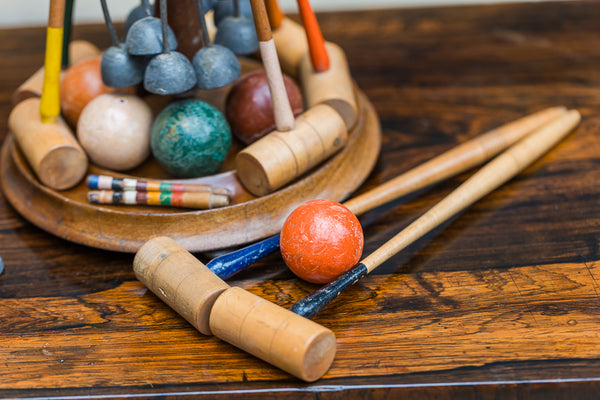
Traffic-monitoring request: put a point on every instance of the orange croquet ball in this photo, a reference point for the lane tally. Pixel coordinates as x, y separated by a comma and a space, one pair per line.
82, 82
320, 240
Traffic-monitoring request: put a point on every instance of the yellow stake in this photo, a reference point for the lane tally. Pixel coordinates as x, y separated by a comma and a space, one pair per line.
50, 100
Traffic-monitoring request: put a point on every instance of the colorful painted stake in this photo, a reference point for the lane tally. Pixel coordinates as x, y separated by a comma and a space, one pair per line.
197, 200
488, 178
50, 101
104, 182
453, 162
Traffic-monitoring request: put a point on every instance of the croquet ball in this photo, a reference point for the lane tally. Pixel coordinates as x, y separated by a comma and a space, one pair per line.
249, 109
81, 83
320, 240
114, 130
190, 138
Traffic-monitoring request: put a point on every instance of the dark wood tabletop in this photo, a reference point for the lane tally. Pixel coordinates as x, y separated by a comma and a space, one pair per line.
500, 302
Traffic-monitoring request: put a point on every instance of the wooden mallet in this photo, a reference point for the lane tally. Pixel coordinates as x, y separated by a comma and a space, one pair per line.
454, 161
324, 71
295, 344
284, 338
45, 139
489, 177
289, 37
296, 145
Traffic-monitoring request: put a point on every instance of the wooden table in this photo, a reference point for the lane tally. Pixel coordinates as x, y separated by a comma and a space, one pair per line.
501, 301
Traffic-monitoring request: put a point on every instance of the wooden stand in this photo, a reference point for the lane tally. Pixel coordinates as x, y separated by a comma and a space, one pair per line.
68, 214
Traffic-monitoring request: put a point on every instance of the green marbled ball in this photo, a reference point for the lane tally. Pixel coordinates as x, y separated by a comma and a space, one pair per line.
190, 138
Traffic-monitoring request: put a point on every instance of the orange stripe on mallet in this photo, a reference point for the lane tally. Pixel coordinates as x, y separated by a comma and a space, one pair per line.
316, 43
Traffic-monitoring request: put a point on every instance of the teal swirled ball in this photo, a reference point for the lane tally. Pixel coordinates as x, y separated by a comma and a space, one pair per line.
190, 138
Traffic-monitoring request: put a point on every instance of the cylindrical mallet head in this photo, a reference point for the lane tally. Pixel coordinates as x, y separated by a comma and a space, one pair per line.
295, 344
51, 149
291, 45
179, 279
333, 87
279, 157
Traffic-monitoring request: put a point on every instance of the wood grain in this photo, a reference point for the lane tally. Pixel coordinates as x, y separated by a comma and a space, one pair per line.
500, 302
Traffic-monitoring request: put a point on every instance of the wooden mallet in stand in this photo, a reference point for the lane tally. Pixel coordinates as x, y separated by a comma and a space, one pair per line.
289, 37
452, 162
324, 71
488, 178
296, 145
45, 139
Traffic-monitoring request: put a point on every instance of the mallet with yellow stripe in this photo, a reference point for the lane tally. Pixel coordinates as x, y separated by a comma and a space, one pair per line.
45, 139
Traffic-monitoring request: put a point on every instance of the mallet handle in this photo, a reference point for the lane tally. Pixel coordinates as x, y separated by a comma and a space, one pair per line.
284, 116
50, 100
316, 43
276, 16
452, 162
489, 177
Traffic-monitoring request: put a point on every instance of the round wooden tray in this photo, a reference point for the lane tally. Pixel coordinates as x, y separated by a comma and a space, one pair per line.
68, 215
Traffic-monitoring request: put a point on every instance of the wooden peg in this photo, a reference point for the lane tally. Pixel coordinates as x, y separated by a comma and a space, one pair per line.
295, 344
333, 87
179, 279
51, 149
279, 157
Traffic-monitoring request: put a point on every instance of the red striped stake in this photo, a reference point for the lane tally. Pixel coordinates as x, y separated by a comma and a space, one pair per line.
104, 182
196, 200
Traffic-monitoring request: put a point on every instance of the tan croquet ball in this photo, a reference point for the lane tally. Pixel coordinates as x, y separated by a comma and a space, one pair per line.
114, 129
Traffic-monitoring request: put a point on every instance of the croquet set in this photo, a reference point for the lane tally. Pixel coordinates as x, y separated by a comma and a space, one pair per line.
219, 124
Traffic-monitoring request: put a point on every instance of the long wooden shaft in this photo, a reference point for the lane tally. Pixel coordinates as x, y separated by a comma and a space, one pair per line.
452, 162
488, 178
282, 110
456, 160
50, 101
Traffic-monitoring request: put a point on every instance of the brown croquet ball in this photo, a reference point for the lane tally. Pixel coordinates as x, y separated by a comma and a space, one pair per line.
249, 109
